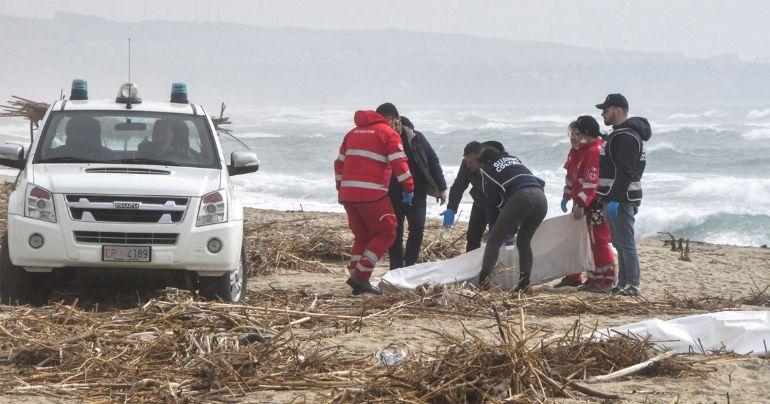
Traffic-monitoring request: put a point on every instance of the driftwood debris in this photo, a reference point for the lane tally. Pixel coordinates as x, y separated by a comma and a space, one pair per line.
19, 107
671, 242
682, 245
174, 348
684, 252
220, 121
631, 369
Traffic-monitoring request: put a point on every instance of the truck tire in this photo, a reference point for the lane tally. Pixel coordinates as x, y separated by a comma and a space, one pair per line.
18, 286
229, 287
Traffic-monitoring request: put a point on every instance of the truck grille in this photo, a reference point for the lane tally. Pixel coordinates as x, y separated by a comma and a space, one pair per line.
103, 237
126, 209
126, 170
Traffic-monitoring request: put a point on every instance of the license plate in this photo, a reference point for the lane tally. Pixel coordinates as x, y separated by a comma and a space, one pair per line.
130, 253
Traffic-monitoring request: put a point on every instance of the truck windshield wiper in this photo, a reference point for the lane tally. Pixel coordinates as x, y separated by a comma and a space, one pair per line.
70, 160
149, 161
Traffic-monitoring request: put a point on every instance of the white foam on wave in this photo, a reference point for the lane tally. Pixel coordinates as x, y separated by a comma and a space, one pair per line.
682, 116
758, 114
663, 179
498, 126
654, 219
757, 134
258, 135
660, 128
688, 116
657, 146
9, 172
749, 195
560, 119
289, 186
715, 113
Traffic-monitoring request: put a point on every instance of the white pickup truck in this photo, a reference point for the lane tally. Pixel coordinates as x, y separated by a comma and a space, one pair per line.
124, 184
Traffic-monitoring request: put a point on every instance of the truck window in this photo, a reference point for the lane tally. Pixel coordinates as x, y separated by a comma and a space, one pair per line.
127, 137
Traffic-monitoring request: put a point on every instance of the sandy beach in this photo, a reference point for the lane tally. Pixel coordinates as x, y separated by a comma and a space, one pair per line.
297, 262
719, 272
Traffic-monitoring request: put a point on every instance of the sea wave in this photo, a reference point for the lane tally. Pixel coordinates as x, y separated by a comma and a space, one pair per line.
749, 194
758, 114
561, 119
694, 127
757, 134
711, 226
662, 146
682, 116
711, 113
715, 113
258, 135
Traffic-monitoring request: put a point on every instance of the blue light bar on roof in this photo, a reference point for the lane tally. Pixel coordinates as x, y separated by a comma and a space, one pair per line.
79, 90
179, 93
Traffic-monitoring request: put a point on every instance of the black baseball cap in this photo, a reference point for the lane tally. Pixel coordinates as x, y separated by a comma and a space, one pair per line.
587, 124
614, 100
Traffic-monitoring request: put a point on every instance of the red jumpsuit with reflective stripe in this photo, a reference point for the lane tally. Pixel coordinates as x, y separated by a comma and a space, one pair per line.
369, 155
581, 182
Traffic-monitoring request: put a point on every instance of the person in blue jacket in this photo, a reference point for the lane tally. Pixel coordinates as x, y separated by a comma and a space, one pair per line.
515, 203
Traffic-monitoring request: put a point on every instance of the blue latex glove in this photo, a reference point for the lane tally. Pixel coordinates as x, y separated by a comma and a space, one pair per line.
564, 204
612, 209
449, 218
406, 197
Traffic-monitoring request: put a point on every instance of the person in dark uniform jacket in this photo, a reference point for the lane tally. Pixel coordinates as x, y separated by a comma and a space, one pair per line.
621, 166
515, 202
469, 174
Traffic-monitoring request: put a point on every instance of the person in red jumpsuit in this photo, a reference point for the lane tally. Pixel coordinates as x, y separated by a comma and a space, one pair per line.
581, 183
573, 160
369, 154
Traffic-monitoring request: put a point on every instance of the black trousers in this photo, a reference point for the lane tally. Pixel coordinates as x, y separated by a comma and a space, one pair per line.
526, 208
476, 226
415, 217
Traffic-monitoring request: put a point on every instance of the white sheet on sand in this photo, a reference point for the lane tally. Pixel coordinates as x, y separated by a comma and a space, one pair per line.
742, 332
560, 247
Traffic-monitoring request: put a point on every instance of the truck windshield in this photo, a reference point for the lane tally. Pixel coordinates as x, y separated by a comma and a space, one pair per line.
127, 137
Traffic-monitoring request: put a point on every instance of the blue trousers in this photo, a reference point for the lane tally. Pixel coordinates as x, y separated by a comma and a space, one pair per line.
622, 237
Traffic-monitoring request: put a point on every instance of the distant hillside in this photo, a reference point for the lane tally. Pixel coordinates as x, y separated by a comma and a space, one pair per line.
242, 64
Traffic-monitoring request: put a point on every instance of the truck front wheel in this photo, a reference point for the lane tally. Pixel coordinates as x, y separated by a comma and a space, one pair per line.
229, 287
17, 286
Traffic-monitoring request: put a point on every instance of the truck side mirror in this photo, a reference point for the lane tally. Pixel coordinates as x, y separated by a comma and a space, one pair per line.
243, 162
12, 155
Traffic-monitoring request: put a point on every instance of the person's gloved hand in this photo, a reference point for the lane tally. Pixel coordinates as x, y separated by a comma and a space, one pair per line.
449, 218
564, 204
612, 209
406, 197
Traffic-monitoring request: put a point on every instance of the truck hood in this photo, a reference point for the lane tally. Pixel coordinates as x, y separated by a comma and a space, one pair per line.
111, 179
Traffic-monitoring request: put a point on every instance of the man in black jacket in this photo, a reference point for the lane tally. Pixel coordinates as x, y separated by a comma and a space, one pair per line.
621, 165
428, 180
468, 174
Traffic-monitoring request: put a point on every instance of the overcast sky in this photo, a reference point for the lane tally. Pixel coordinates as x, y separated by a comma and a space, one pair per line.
698, 28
